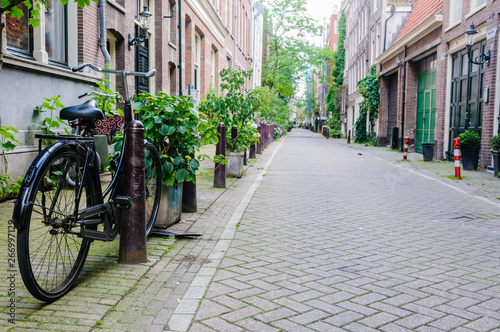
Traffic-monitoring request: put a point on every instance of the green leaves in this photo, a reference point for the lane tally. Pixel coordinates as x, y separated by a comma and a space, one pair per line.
171, 124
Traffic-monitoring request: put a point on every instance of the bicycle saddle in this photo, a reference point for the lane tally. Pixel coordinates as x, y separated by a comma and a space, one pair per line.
87, 111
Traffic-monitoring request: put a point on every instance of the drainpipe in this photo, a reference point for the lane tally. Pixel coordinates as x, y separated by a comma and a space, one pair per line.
179, 26
102, 38
403, 102
393, 9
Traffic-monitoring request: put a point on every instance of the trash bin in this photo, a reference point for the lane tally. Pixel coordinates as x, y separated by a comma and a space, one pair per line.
428, 151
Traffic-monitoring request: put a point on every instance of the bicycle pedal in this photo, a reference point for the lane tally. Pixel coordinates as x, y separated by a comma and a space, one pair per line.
122, 202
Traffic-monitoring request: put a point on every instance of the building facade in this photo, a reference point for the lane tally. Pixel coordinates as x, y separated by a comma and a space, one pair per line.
371, 27
430, 89
37, 62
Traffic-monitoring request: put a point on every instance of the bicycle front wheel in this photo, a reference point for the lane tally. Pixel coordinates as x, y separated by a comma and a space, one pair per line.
51, 254
153, 181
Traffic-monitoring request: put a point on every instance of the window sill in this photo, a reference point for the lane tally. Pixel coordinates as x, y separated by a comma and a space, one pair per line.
452, 26
13, 61
117, 6
475, 10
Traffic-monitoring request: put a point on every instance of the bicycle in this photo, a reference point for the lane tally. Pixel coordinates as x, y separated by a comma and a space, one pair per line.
61, 207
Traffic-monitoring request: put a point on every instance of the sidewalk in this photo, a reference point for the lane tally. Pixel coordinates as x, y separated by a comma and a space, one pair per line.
119, 297
480, 183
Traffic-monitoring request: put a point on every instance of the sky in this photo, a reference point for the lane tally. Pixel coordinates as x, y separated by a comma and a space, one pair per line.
318, 9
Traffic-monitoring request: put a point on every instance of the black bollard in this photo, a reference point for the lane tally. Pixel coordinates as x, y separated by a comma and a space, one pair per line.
251, 154
349, 137
261, 139
189, 203
220, 149
245, 157
133, 225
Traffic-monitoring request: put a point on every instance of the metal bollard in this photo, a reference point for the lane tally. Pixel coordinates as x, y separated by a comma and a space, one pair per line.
456, 143
259, 143
251, 154
220, 149
349, 137
133, 225
405, 151
245, 157
189, 203
327, 133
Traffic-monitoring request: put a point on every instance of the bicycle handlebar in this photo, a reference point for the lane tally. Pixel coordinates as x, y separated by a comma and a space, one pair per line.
79, 67
124, 74
106, 95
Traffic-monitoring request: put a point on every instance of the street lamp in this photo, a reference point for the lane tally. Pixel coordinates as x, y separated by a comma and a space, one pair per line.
300, 35
144, 17
470, 36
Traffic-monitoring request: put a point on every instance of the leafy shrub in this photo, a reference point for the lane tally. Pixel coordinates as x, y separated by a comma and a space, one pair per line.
469, 138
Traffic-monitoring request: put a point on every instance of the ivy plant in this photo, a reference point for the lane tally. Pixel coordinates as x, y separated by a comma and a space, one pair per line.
368, 87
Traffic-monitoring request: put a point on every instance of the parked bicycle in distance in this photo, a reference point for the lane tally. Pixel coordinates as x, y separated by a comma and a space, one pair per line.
61, 208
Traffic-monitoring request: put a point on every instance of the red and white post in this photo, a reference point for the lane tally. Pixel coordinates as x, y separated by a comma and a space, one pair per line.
456, 143
405, 150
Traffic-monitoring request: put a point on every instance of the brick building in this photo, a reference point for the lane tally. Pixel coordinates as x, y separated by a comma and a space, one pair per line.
435, 93
408, 72
472, 97
371, 27
214, 34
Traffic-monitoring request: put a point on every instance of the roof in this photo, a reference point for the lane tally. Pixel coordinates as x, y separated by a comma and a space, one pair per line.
422, 11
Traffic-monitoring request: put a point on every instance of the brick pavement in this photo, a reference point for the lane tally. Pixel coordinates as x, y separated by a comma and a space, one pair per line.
341, 238
319, 239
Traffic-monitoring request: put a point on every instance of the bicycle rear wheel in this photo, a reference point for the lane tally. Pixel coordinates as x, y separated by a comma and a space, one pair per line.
51, 254
153, 181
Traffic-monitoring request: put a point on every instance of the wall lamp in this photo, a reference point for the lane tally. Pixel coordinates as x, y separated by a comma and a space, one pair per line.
470, 36
144, 17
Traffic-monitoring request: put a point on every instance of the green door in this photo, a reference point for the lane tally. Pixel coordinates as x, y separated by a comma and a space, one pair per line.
426, 108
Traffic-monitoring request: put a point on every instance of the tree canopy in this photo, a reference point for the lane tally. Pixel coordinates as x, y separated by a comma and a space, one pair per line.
288, 56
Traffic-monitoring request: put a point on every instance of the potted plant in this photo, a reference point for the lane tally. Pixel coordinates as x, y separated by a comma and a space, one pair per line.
171, 122
233, 107
495, 151
470, 142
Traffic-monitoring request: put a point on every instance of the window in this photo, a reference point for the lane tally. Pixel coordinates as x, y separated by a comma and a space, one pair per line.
212, 73
197, 56
55, 31
172, 25
19, 34
455, 11
53, 42
476, 3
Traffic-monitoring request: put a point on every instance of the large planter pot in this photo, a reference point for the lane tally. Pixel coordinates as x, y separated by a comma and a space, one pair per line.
170, 208
496, 162
235, 164
428, 151
470, 157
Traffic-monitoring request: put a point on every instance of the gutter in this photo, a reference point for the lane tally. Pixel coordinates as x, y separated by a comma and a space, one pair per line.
102, 39
393, 10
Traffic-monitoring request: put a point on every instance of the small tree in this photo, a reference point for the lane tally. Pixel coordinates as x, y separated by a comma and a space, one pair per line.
235, 107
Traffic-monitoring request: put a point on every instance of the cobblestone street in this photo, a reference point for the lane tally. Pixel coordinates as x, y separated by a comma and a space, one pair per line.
317, 236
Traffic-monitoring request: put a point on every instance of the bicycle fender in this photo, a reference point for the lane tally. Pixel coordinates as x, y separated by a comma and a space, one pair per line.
22, 201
